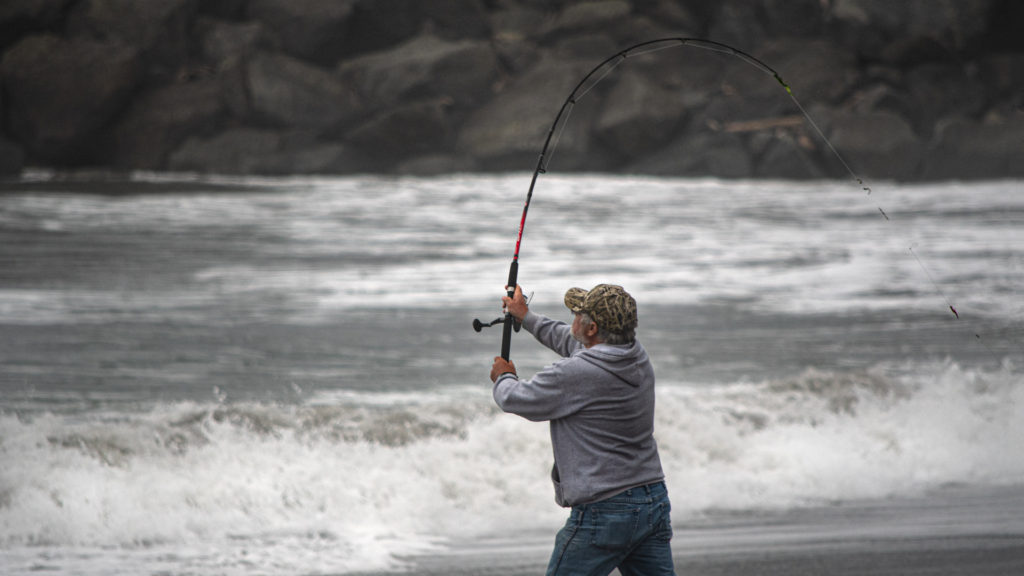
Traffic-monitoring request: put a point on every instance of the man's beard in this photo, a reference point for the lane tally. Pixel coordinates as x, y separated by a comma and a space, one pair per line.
576, 335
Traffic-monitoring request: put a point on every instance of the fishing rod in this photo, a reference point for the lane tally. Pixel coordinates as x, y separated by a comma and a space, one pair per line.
585, 85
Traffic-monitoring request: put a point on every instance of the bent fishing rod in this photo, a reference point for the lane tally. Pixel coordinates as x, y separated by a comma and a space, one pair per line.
585, 85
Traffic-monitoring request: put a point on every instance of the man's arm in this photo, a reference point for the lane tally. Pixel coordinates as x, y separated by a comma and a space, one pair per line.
547, 396
554, 334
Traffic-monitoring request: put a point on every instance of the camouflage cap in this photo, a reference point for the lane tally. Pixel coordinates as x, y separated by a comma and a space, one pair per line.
610, 306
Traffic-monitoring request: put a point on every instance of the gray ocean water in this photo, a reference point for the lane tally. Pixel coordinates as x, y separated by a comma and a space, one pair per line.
212, 375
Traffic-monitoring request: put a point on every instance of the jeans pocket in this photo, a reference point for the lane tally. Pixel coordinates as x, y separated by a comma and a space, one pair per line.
614, 527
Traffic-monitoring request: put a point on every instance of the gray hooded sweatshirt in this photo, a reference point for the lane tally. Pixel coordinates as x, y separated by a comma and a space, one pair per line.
600, 403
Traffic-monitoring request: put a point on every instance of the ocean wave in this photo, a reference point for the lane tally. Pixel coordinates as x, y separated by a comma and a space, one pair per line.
333, 244
379, 475
824, 437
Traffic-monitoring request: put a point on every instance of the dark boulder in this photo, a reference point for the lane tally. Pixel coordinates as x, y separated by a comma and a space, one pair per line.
257, 151
1003, 75
1003, 34
423, 68
159, 120
223, 9
590, 47
226, 49
381, 24
233, 78
815, 69
519, 21
738, 23
876, 145
692, 75
311, 30
224, 43
405, 130
637, 116
61, 93
940, 90
507, 132
159, 29
238, 151
588, 16
790, 154
457, 19
12, 159
676, 16
20, 18
290, 93
873, 96
963, 149
516, 28
792, 18
717, 154
895, 31
737, 92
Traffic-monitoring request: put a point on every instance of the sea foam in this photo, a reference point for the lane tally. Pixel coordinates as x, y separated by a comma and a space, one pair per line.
357, 480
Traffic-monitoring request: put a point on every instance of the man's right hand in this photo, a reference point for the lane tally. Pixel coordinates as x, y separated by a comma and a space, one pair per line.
501, 366
516, 305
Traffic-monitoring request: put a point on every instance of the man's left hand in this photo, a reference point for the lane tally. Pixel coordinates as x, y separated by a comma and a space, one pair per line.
501, 366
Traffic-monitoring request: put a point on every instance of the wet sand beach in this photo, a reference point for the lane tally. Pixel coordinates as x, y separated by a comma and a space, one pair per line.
955, 532
946, 556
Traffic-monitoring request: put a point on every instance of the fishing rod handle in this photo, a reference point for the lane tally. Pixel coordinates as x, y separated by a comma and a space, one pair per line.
506, 328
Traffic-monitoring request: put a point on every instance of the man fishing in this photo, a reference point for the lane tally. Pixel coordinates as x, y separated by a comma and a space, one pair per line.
599, 400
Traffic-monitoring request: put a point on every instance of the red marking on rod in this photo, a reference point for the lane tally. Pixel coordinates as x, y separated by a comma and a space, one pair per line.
522, 224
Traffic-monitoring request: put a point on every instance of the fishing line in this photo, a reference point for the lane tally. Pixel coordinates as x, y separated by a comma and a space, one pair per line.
828, 143
592, 79
938, 289
885, 215
934, 283
867, 189
977, 334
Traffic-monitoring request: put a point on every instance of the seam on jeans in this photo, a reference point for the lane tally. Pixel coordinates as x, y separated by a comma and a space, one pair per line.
561, 553
664, 530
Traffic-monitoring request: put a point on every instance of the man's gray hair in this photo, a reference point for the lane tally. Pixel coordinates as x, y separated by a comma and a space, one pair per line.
628, 337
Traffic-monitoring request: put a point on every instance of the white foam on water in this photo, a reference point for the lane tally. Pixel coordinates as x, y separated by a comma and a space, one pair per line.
823, 437
332, 244
355, 481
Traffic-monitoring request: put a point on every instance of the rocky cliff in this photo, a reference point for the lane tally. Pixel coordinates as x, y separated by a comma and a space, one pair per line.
910, 90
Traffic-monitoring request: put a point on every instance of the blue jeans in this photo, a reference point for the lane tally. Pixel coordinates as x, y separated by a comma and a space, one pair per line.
630, 531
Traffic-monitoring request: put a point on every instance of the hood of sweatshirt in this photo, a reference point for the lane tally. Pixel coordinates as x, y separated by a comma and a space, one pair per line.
628, 362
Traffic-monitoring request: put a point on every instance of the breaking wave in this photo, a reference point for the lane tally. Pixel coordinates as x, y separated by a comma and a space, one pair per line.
354, 481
